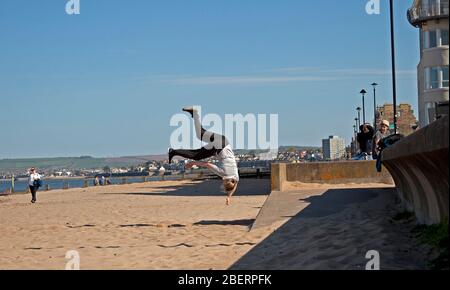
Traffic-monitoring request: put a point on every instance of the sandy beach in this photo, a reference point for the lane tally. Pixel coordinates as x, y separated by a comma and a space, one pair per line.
186, 225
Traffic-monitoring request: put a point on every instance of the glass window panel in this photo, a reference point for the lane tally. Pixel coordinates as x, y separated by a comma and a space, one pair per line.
444, 37
427, 78
445, 77
434, 78
433, 38
426, 39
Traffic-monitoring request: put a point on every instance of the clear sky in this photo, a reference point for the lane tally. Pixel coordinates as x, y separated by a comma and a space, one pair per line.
107, 81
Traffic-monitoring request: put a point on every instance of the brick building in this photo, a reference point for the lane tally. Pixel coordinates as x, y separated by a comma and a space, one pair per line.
406, 120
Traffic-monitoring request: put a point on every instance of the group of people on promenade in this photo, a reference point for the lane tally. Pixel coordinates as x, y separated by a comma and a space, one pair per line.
369, 140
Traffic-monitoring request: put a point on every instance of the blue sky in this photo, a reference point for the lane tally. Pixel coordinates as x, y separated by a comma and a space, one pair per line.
107, 81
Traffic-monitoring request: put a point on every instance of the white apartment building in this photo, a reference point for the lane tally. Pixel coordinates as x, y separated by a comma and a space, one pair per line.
431, 17
333, 148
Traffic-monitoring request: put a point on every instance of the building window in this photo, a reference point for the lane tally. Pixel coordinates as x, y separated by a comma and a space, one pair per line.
445, 77
435, 38
436, 78
429, 112
444, 7
444, 37
426, 39
431, 6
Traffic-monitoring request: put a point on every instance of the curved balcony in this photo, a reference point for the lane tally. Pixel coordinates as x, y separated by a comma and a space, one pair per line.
422, 13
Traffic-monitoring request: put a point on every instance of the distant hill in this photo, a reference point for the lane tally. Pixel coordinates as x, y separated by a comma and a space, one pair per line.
301, 148
83, 162
88, 162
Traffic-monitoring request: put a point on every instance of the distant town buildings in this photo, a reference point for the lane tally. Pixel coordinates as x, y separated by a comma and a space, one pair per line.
271, 155
246, 160
431, 17
406, 120
333, 148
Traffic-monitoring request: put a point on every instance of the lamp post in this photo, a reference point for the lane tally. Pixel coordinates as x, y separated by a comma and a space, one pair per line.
363, 93
374, 85
359, 116
356, 134
394, 84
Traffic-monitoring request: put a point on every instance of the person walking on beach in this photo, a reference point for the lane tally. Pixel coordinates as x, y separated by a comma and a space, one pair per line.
218, 146
34, 182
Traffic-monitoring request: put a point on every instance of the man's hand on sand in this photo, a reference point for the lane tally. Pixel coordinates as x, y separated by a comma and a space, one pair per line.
228, 202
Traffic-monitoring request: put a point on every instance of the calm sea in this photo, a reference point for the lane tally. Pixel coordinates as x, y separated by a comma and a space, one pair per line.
22, 185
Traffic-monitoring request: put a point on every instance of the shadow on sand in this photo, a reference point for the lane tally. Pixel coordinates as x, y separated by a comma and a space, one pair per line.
247, 187
280, 242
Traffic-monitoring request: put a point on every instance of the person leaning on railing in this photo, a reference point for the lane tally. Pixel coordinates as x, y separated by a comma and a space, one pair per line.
381, 133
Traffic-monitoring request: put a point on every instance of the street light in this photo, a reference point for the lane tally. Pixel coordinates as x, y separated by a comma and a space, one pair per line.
359, 116
363, 93
394, 84
374, 85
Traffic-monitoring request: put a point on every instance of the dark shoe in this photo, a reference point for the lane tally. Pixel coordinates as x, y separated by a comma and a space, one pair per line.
189, 110
33, 201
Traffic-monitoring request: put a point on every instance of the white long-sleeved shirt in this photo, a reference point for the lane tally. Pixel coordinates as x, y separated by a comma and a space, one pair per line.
228, 167
33, 177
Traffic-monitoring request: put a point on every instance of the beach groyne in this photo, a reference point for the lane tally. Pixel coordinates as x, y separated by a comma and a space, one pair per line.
419, 165
327, 173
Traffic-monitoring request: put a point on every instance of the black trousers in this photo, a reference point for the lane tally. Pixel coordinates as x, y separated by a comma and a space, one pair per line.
216, 143
33, 190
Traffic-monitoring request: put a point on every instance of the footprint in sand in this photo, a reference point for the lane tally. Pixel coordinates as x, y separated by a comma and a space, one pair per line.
218, 245
246, 244
136, 225
176, 246
83, 226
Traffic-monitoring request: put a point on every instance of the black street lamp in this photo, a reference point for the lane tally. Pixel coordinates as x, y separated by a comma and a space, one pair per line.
394, 84
359, 116
374, 85
363, 93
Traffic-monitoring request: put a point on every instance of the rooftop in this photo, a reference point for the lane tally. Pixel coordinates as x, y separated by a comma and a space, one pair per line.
422, 11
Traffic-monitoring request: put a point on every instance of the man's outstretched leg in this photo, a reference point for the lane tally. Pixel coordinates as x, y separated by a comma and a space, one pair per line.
214, 140
198, 154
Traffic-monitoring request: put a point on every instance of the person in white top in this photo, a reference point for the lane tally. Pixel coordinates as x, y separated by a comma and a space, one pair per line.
34, 176
217, 145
